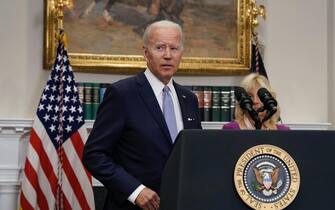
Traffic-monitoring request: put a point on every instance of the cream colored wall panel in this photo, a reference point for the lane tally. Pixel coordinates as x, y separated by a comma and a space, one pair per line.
297, 58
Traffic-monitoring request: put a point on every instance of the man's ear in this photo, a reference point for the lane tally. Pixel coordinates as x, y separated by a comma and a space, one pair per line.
145, 52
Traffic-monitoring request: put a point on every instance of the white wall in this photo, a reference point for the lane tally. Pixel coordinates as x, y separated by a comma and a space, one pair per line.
296, 55
21, 77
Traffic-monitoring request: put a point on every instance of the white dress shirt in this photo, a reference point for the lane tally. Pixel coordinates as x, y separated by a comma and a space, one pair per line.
157, 86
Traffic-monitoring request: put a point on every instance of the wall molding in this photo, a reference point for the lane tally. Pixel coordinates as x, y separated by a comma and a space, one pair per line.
10, 126
18, 126
9, 180
218, 125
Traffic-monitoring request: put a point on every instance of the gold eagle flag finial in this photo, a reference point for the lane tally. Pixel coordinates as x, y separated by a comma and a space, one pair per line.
254, 11
57, 8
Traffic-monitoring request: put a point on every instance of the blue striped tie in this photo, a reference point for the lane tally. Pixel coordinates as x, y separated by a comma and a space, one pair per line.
169, 115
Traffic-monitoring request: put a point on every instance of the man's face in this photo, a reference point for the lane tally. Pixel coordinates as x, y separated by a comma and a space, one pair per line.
164, 52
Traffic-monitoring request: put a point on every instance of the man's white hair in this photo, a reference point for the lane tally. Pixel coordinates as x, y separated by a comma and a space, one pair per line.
162, 24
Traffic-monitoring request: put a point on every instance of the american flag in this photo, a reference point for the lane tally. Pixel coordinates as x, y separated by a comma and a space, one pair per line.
54, 176
257, 64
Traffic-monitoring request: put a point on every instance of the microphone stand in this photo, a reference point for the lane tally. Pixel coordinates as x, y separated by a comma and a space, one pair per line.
254, 115
258, 122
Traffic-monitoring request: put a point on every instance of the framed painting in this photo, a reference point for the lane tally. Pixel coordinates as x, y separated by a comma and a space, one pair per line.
106, 35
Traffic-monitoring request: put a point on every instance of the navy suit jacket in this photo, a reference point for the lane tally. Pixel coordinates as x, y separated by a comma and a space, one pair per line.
130, 142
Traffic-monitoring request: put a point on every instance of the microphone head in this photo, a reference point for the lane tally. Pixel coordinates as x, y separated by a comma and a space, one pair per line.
242, 96
238, 92
245, 102
263, 94
266, 98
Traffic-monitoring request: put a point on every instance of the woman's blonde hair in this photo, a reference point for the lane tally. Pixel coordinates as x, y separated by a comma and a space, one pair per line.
251, 81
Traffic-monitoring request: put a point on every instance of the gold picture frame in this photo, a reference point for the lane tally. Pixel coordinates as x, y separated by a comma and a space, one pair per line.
203, 58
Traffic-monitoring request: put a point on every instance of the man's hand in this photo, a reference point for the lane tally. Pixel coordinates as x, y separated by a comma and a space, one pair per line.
148, 199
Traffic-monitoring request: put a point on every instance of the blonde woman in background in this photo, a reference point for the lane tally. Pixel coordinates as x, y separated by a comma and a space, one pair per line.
243, 121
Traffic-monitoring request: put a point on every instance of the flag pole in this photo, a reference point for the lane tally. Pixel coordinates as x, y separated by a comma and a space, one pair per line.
59, 197
61, 38
255, 41
254, 11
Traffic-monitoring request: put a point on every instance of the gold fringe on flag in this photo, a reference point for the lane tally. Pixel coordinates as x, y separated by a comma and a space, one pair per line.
61, 37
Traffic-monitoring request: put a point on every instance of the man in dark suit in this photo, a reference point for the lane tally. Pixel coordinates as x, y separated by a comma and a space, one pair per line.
137, 124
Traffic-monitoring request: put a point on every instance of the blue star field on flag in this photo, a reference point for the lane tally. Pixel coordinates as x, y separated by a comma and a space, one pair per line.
59, 109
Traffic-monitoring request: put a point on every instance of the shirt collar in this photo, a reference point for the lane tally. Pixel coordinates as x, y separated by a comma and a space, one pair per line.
156, 85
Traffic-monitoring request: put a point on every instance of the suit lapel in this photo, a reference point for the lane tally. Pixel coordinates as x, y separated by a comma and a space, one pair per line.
151, 102
183, 104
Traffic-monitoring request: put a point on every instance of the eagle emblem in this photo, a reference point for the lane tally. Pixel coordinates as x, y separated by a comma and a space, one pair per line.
267, 175
263, 179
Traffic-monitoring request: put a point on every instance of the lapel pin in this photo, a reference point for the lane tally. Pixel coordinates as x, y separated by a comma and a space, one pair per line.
183, 96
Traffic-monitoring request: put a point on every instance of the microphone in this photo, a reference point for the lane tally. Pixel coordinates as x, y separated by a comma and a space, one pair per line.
246, 103
270, 104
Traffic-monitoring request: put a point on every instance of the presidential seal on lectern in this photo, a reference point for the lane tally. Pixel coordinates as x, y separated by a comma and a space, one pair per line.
266, 177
